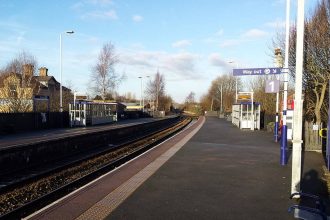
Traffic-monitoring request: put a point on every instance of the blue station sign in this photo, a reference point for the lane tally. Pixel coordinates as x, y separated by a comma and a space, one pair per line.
258, 71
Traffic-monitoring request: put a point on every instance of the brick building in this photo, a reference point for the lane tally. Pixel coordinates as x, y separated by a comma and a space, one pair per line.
27, 92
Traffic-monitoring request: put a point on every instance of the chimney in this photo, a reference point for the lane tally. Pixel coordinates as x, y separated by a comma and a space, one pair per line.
278, 51
27, 70
43, 71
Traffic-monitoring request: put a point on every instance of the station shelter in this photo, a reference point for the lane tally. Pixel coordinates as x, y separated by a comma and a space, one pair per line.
246, 112
85, 112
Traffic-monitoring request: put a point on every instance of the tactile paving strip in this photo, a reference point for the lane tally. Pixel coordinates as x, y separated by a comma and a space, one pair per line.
105, 206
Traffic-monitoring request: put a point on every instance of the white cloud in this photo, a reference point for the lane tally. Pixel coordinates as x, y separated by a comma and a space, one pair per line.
137, 18
216, 60
278, 2
95, 9
138, 59
80, 5
180, 62
214, 37
254, 33
177, 66
276, 24
12, 26
100, 2
229, 43
93, 40
13, 36
110, 14
77, 6
181, 43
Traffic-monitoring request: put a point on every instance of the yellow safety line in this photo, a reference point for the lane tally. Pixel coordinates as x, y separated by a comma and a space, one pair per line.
110, 202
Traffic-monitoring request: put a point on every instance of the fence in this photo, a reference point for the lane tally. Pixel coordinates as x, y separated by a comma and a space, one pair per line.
265, 120
312, 139
19, 122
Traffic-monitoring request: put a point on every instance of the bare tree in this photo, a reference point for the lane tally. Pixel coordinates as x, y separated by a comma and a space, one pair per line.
18, 84
17, 64
14, 96
190, 98
104, 78
317, 54
165, 103
156, 89
190, 103
267, 100
206, 102
225, 84
316, 73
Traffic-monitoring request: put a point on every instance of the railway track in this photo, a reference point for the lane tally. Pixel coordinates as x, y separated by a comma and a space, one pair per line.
26, 196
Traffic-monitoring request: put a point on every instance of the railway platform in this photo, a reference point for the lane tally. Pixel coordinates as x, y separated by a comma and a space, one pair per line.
8, 140
211, 170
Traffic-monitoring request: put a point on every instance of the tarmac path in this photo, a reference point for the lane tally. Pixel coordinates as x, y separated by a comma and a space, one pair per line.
221, 173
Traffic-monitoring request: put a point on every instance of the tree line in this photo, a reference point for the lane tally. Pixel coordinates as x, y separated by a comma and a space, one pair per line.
316, 66
103, 83
316, 74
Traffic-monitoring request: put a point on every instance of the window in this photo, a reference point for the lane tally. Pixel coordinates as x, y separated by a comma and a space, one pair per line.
12, 88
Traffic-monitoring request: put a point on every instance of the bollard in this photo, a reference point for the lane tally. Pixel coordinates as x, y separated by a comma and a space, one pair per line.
276, 131
283, 145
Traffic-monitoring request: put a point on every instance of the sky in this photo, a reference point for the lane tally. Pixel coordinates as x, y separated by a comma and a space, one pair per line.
189, 42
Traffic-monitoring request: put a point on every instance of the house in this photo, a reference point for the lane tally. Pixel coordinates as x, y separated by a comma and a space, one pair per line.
26, 92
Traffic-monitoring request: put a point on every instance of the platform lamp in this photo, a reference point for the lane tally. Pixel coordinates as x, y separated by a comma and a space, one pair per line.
142, 89
231, 62
140, 77
284, 141
61, 93
143, 95
279, 64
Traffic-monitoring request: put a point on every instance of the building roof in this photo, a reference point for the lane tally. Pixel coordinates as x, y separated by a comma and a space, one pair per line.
36, 80
45, 78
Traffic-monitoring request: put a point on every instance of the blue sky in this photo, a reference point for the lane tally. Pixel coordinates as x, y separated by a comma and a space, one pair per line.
190, 42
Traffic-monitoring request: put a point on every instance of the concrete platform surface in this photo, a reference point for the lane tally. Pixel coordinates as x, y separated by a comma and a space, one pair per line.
7, 140
221, 173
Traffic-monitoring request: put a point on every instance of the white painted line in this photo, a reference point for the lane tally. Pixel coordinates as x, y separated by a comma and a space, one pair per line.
119, 167
109, 203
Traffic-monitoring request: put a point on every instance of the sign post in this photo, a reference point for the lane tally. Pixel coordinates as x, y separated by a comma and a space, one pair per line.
284, 132
273, 86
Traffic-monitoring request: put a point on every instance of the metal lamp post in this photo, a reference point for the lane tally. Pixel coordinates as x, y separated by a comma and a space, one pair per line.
284, 131
297, 118
221, 108
140, 77
142, 96
61, 93
235, 80
278, 64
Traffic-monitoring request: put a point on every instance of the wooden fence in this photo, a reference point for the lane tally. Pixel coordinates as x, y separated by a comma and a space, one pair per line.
312, 139
20, 122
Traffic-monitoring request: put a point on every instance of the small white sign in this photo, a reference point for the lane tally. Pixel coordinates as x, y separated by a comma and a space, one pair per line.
315, 127
272, 86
